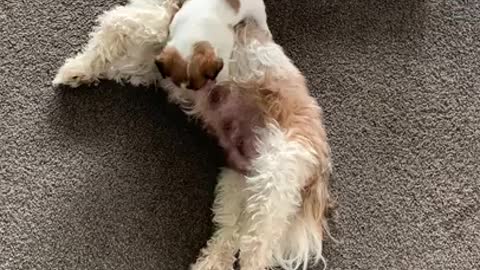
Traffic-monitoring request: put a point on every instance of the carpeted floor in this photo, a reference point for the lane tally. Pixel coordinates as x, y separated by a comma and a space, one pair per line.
113, 177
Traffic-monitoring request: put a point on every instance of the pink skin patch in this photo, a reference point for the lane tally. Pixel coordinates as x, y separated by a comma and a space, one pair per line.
232, 117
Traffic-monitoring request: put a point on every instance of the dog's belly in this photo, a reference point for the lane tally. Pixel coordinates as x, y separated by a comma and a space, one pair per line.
233, 118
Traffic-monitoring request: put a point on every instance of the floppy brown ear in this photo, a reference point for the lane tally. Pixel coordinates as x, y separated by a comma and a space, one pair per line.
163, 61
213, 68
171, 64
162, 68
204, 65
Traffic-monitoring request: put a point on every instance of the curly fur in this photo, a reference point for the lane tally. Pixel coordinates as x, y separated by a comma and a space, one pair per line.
121, 46
274, 214
280, 209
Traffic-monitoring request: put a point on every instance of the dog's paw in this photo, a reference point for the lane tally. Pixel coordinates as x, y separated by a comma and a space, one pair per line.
73, 73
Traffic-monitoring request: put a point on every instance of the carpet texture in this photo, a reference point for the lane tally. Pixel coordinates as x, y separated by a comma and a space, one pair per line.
113, 177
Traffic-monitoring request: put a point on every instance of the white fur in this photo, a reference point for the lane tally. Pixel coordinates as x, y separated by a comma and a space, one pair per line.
219, 254
274, 197
123, 45
212, 21
273, 229
251, 59
260, 214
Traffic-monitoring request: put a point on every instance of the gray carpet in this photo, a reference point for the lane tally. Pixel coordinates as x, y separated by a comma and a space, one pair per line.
113, 177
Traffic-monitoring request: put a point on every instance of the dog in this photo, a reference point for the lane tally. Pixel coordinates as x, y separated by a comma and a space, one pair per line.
201, 39
272, 200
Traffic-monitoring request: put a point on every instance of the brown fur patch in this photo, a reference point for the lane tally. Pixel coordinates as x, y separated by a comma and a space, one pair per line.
203, 66
289, 103
235, 4
171, 64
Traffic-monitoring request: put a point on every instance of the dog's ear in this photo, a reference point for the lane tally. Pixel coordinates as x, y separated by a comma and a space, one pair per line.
213, 67
171, 64
163, 62
204, 65
162, 67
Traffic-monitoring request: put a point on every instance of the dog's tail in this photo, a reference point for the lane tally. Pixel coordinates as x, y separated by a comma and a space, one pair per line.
302, 245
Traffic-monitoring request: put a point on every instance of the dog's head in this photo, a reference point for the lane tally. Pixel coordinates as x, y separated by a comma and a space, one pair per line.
203, 65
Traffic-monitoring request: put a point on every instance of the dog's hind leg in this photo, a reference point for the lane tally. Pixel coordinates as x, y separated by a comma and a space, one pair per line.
219, 254
274, 197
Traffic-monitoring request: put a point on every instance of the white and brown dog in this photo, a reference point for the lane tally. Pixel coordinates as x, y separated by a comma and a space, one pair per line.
271, 202
201, 39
